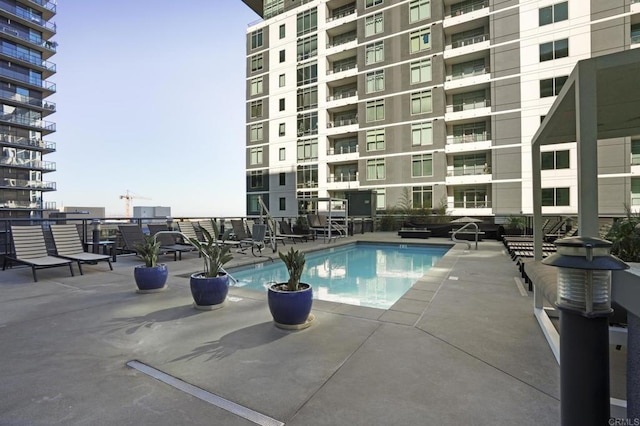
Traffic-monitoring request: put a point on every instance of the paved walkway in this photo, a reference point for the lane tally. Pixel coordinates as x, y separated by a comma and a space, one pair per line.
461, 347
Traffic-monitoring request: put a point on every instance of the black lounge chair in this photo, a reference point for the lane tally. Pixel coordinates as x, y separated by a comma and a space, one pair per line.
132, 235
168, 241
69, 246
30, 249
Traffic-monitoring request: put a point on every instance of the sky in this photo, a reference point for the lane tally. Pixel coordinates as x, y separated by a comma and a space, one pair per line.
150, 99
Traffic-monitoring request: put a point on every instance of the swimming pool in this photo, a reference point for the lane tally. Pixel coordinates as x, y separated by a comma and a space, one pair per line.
364, 274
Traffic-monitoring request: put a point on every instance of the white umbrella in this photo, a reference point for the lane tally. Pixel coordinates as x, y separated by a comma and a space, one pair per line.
466, 219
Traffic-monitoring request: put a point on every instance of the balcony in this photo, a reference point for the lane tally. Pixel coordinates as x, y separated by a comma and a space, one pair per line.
343, 154
49, 68
341, 39
7, 183
48, 46
45, 85
468, 174
467, 45
346, 11
466, 12
469, 77
23, 142
467, 110
307, 185
48, 8
46, 106
29, 205
343, 181
467, 143
45, 166
342, 67
343, 122
349, 149
29, 19
45, 126
342, 95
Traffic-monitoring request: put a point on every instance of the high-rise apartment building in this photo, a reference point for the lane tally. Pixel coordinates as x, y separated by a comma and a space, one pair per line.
26, 29
436, 100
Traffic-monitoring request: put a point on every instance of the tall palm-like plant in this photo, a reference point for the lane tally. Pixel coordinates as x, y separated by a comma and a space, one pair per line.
148, 251
294, 260
214, 255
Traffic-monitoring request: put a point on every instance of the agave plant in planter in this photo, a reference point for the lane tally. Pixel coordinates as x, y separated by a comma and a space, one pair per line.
210, 287
150, 277
290, 302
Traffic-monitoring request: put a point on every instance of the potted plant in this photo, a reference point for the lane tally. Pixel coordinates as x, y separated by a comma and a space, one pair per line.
150, 277
515, 225
290, 302
210, 287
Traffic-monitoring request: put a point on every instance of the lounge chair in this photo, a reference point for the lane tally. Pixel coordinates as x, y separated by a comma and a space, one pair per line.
30, 249
132, 235
257, 240
168, 241
286, 232
225, 239
69, 246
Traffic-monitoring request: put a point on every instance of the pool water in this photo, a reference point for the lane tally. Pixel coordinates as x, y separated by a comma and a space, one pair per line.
374, 275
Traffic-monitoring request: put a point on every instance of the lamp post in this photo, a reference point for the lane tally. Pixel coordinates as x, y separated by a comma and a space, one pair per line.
584, 300
96, 226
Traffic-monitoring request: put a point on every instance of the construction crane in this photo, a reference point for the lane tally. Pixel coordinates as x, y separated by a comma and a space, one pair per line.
127, 199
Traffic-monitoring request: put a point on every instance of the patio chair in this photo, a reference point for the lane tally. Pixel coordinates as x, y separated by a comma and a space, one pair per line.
168, 241
225, 239
286, 232
30, 249
132, 235
69, 246
257, 240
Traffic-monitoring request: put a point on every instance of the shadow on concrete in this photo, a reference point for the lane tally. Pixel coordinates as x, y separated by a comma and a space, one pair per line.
132, 324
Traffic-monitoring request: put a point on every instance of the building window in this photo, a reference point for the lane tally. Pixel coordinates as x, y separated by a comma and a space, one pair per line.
281, 129
419, 10
374, 52
553, 160
381, 199
307, 47
371, 3
421, 102
282, 56
468, 69
282, 154
256, 86
635, 152
635, 192
554, 50
282, 31
555, 13
307, 21
420, 71
470, 132
255, 156
256, 62
307, 176
281, 104
635, 34
307, 98
555, 196
308, 124
255, 132
420, 40
375, 140
470, 198
375, 81
422, 165
256, 39
375, 169
256, 109
253, 205
470, 100
282, 203
281, 80
375, 110
373, 24
308, 150
470, 165
255, 179
422, 134
422, 197
307, 74
552, 86
282, 179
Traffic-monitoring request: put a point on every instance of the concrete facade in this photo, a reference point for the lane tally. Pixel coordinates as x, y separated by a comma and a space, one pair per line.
440, 98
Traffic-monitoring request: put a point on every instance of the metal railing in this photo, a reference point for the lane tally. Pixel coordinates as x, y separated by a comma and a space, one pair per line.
343, 95
23, 183
469, 138
49, 45
342, 14
343, 67
469, 41
32, 59
479, 169
28, 164
26, 121
34, 19
343, 122
466, 7
342, 177
29, 100
342, 39
482, 103
343, 150
475, 71
44, 84
29, 143
471, 204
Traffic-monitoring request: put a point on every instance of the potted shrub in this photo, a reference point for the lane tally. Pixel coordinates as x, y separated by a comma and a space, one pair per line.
515, 225
209, 288
290, 302
150, 277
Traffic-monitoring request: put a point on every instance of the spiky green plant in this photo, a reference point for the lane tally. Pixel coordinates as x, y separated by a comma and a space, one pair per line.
294, 261
214, 255
625, 236
148, 250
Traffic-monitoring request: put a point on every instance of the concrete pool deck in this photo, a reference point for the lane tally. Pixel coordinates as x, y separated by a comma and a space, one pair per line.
461, 347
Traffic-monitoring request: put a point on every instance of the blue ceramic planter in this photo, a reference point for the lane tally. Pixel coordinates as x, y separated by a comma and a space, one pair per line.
209, 293
291, 309
150, 279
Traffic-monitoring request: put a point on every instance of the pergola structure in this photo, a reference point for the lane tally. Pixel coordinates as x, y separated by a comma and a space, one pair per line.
600, 100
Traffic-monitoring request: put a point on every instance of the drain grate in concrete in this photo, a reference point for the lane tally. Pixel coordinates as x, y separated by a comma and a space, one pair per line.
232, 407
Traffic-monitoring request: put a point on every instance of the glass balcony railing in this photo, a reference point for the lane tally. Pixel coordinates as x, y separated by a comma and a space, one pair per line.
343, 177
468, 6
31, 184
480, 70
32, 59
26, 121
343, 95
469, 138
472, 170
49, 5
343, 150
472, 204
27, 143
342, 39
36, 41
481, 103
43, 84
470, 40
343, 67
28, 100
307, 184
27, 164
343, 122
28, 16
342, 12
